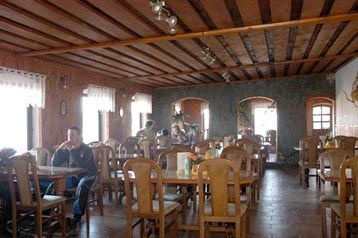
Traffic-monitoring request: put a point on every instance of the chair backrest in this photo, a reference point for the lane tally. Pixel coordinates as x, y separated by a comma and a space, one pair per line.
338, 141
250, 146
335, 158
95, 143
148, 146
310, 150
133, 139
170, 156
351, 163
238, 156
219, 171
113, 143
349, 143
25, 169
129, 147
142, 169
42, 155
182, 148
163, 141
203, 146
105, 158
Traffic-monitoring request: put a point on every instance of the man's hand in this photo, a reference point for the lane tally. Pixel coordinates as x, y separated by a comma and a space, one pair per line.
67, 145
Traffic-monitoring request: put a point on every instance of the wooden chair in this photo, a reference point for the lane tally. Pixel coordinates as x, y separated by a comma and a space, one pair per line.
310, 148
346, 212
338, 141
129, 147
335, 157
95, 143
170, 190
219, 210
243, 159
203, 146
146, 207
105, 158
148, 148
27, 199
252, 148
42, 155
349, 143
114, 144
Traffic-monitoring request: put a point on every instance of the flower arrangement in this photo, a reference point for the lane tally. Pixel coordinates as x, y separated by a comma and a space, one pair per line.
195, 160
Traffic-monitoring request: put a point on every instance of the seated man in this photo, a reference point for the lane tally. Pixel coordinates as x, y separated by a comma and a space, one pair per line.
147, 132
77, 155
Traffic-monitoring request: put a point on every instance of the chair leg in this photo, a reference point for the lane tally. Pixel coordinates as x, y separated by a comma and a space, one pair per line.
100, 201
116, 195
130, 228
248, 220
333, 224
343, 229
14, 224
39, 224
63, 211
161, 227
239, 230
87, 219
323, 221
202, 228
175, 224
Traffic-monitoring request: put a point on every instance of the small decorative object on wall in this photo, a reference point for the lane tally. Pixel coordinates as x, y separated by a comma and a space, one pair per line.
354, 93
63, 108
120, 111
63, 80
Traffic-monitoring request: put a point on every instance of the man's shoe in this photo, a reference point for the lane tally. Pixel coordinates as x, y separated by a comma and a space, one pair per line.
71, 226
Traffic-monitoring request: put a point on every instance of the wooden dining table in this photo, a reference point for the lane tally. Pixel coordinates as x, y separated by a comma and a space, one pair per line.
172, 177
58, 174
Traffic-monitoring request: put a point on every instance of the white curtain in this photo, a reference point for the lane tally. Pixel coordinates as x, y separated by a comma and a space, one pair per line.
103, 98
24, 87
143, 102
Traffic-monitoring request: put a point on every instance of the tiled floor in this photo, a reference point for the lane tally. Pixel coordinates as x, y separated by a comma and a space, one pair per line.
285, 209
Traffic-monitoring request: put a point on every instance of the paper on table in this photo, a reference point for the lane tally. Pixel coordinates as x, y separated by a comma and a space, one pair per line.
181, 159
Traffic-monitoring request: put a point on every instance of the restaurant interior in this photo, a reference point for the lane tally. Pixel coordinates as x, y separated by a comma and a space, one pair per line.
212, 118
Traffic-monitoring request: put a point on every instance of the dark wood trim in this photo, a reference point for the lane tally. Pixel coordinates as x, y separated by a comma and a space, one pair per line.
267, 64
242, 30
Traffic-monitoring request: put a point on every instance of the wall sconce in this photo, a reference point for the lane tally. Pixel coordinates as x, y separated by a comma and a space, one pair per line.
331, 77
121, 111
122, 91
64, 81
226, 76
162, 13
354, 92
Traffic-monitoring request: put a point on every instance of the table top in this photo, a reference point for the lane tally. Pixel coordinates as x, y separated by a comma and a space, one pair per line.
53, 172
172, 177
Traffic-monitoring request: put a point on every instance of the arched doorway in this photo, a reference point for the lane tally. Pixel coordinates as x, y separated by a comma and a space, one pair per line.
257, 116
191, 114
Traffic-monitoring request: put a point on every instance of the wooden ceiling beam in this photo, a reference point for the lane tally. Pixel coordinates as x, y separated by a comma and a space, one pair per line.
236, 30
241, 67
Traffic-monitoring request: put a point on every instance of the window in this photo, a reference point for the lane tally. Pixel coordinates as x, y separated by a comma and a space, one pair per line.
141, 105
321, 117
96, 101
20, 93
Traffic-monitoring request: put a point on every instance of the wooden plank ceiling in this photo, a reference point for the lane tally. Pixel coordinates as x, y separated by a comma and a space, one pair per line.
252, 39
